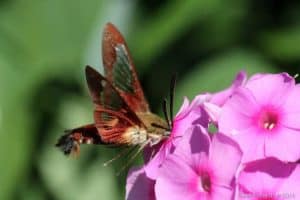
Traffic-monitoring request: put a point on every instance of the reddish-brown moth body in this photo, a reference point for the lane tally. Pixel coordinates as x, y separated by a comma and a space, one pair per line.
121, 112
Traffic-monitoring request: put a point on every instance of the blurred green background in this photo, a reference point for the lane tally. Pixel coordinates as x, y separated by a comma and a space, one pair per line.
45, 45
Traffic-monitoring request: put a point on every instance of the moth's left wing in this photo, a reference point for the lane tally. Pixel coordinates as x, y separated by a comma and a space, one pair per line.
114, 120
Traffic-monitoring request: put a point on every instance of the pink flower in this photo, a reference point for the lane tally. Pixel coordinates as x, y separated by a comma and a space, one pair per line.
259, 117
202, 110
199, 168
188, 115
269, 179
264, 117
138, 186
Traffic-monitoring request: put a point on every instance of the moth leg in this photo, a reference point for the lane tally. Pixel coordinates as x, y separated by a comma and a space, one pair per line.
126, 151
70, 142
140, 148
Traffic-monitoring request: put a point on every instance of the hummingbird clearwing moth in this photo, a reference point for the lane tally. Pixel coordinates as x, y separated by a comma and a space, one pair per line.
121, 112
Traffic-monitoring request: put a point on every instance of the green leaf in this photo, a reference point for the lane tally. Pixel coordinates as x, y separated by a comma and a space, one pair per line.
15, 142
282, 44
170, 22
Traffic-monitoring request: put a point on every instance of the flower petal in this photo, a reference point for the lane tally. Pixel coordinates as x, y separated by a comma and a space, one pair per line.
258, 184
196, 140
237, 112
222, 193
252, 145
184, 108
138, 186
151, 151
267, 177
291, 117
284, 145
212, 110
225, 156
175, 180
290, 188
151, 168
236, 121
271, 88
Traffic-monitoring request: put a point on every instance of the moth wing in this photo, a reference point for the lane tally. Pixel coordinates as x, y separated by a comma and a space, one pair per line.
113, 117
119, 69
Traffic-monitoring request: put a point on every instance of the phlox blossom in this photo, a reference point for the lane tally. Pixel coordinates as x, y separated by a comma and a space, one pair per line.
252, 155
201, 111
189, 114
199, 168
263, 116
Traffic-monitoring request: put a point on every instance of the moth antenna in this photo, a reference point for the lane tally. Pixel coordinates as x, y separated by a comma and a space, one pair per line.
134, 156
124, 152
164, 107
172, 93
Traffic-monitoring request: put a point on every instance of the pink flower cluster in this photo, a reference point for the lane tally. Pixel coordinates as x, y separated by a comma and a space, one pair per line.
253, 154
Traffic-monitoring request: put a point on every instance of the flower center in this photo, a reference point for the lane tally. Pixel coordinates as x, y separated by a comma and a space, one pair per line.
268, 119
205, 181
